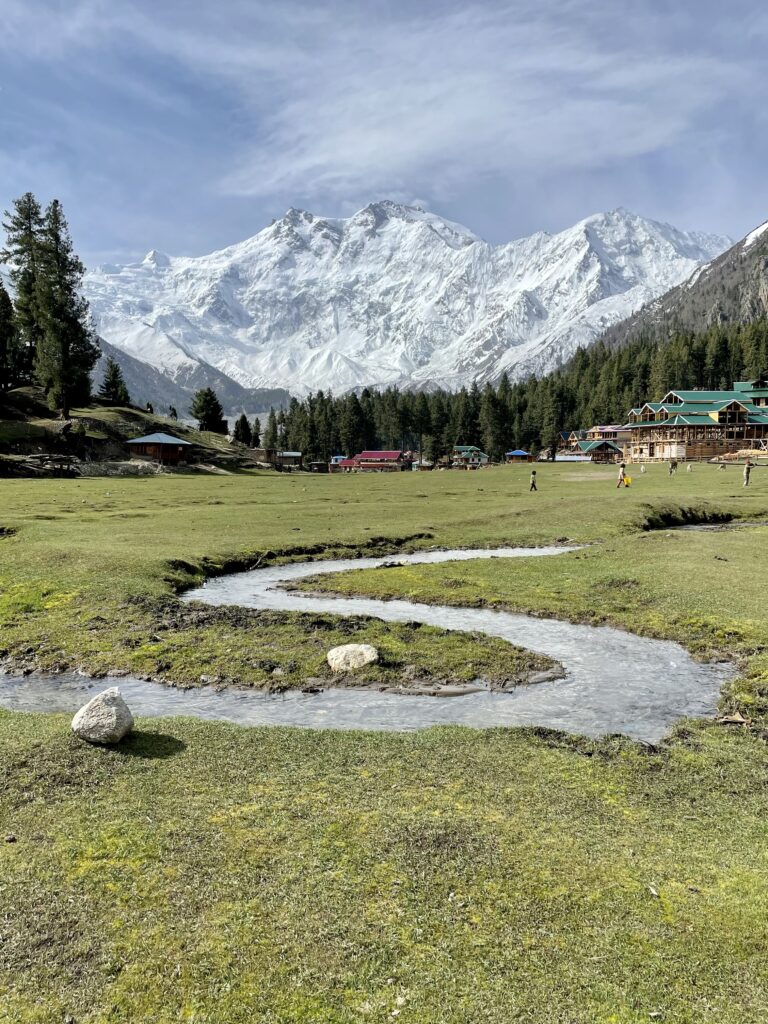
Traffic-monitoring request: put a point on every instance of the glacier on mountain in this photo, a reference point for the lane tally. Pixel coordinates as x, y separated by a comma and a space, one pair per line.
391, 295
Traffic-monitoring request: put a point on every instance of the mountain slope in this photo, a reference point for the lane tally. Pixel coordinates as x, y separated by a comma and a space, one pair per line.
730, 289
147, 384
390, 295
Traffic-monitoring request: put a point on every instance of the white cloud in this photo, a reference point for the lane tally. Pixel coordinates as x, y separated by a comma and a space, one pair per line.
345, 99
431, 103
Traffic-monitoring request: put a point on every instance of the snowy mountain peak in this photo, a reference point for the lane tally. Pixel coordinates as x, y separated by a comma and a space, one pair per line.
392, 294
156, 259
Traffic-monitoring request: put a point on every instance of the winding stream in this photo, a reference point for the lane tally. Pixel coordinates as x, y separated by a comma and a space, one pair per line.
616, 682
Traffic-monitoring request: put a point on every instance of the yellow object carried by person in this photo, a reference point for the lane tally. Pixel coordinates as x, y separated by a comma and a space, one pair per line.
627, 481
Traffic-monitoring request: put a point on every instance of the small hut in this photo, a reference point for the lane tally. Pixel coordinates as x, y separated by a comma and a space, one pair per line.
601, 451
163, 448
518, 455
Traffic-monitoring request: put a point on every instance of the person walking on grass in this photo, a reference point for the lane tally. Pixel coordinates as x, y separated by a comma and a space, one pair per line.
533, 486
622, 475
747, 472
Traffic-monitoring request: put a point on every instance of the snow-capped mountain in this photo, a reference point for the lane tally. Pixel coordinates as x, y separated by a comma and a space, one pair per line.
392, 295
733, 288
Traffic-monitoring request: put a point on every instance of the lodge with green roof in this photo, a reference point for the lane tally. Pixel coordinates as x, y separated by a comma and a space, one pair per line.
701, 424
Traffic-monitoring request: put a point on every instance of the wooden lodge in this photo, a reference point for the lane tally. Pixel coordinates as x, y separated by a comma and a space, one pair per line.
601, 443
468, 456
609, 432
279, 459
163, 448
701, 424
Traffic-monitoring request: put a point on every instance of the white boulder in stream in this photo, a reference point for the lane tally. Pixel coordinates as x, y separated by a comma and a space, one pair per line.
105, 719
348, 657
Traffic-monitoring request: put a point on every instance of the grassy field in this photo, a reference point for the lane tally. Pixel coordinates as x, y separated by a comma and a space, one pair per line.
213, 874
89, 568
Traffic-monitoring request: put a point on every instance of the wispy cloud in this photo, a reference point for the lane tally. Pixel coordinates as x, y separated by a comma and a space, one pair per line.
337, 101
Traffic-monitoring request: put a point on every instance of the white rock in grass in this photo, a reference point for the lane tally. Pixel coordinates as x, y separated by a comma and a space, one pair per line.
105, 719
348, 657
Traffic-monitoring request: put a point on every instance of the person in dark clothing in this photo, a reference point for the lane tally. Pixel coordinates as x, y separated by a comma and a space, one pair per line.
533, 486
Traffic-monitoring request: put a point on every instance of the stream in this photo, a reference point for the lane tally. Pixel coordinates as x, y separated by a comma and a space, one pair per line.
615, 682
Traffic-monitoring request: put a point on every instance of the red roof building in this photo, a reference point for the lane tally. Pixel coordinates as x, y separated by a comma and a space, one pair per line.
375, 462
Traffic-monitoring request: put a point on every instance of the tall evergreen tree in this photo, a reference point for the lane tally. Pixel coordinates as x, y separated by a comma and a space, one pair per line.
352, 426
491, 424
270, 434
242, 431
113, 387
66, 349
256, 432
8, 342
24, 230
422, 421
206, 409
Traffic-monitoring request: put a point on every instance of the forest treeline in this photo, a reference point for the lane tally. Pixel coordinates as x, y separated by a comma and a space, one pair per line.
597, 385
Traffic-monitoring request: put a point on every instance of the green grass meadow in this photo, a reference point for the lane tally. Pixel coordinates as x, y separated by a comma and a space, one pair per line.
208, 873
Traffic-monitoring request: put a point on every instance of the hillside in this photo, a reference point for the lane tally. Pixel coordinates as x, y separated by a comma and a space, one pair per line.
147, 384
732, 289
391, 295
29, 428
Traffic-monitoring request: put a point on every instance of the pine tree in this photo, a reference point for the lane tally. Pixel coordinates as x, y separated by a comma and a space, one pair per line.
422, 421
66, 349
256, 432
113, 387
24, 228
491, 428
172, 414
8, 342
270, 434
242, 431
206, 409
352, 426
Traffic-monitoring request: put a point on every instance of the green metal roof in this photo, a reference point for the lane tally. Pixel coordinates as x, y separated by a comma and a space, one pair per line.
675, 421
708, 397
702, 409
700, 420
590, 446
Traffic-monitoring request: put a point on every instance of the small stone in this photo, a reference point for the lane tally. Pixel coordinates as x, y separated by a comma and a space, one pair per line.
105, 719
348, 657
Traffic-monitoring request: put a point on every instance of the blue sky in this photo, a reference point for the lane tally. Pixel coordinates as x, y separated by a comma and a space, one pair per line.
187, 125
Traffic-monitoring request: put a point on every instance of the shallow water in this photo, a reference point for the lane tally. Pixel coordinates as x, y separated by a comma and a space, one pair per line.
738, 524
616, 682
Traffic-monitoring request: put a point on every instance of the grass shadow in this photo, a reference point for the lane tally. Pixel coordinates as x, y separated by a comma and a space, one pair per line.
150, 745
